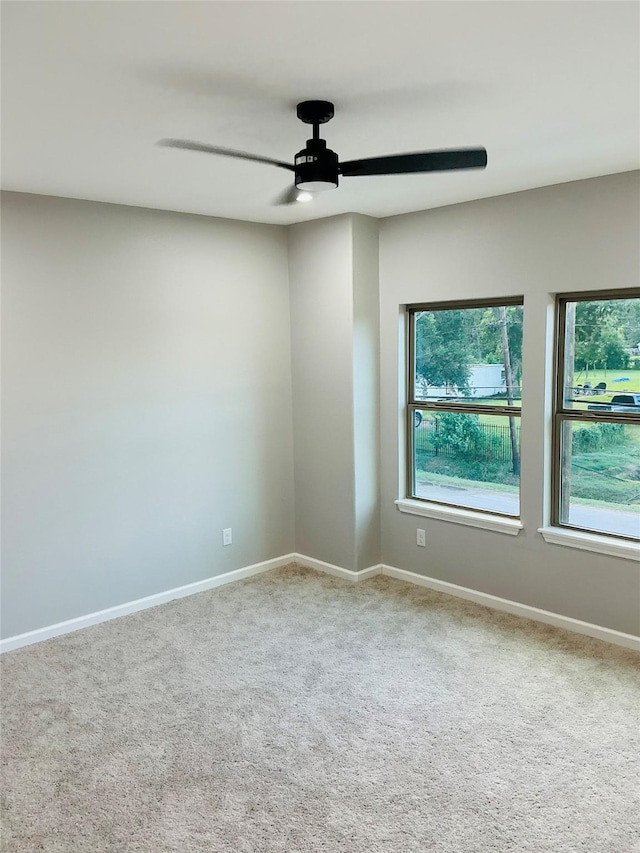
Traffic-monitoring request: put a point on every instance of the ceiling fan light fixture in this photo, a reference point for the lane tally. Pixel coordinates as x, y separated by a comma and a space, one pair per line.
316, 167
316, 186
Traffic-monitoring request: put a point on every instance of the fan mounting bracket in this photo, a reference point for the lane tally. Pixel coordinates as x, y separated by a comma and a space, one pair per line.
315, 112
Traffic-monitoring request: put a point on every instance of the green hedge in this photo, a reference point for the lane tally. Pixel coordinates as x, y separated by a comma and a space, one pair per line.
597, 437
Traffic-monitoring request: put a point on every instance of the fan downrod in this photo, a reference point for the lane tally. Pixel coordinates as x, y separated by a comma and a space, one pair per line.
315, 112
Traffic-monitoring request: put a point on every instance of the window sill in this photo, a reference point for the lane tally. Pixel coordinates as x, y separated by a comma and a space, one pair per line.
472, 518
591, 542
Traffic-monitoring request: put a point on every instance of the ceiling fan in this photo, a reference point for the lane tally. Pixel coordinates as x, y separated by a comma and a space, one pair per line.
318, 168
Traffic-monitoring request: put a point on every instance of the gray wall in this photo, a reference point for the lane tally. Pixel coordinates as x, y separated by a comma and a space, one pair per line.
321, 324
366, 389
333, 271
148, 363
146, 403
575, 236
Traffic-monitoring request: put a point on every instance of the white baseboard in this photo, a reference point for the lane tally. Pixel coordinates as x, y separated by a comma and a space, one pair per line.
609, 635
598, 632
618, 638
337, 571
76, 624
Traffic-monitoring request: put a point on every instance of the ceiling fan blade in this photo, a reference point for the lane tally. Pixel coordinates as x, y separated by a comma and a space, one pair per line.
419, 161
288, 196
225, 152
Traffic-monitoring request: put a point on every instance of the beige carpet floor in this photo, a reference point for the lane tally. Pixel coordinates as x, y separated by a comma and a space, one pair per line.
297, 712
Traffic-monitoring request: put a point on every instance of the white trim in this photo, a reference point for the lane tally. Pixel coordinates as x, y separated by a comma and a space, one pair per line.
591, 542
472, 518
336, 571
79, 622
524, 610
629, 641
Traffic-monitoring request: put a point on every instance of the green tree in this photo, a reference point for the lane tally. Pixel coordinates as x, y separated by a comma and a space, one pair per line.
627, 315
458, 432
613, 350
600, 335
492, 351
444, 347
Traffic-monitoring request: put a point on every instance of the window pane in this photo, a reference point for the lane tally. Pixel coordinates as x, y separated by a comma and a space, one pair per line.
600, 477
469, 355
467, 460
602, 355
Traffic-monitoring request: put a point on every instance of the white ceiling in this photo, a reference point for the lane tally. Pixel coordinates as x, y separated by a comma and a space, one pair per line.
551, 89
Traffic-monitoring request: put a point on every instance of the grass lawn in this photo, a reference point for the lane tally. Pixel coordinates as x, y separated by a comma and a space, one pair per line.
613, 386
486, 419
608, 474
630, 503
595, 377
433, 479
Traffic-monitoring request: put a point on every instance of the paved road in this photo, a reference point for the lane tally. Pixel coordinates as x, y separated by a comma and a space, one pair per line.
623, 522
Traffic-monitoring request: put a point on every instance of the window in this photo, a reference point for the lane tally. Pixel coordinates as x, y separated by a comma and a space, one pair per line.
464, 404
596, 452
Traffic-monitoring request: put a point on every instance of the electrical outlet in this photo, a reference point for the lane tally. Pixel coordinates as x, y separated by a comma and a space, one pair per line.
420, 540
227, 538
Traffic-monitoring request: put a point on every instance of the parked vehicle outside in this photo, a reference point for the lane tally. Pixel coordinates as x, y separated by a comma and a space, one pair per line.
619, 403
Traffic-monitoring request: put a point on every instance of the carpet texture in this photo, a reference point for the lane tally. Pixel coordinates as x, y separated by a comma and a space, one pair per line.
296, 712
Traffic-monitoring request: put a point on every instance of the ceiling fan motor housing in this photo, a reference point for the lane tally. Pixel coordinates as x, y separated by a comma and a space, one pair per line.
316, 167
